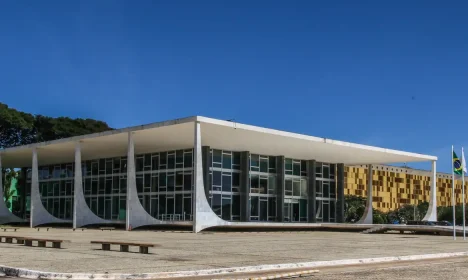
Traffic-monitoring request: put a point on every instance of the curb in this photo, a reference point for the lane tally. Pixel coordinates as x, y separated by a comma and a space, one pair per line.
33, 274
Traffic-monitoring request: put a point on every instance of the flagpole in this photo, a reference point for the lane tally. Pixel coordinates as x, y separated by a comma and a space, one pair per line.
453, 197
463, 192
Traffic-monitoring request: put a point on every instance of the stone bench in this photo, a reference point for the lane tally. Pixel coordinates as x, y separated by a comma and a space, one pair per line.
107, 228
9, 229
124, 246
9, 239
41, 242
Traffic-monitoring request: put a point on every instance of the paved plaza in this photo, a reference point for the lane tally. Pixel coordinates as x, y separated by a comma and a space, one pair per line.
182, 251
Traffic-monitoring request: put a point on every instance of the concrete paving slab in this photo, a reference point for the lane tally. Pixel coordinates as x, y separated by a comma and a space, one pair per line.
182, 251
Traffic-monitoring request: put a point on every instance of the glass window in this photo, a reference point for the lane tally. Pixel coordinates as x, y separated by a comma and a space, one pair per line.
162, 180
304, 188
217, 178
263, 187
226, 211
254, 213
227, 161
171, 161
236, 205
155, 162
216, 204
326, 172
254, 183
303, 168
217, 156
288, 166
264, 165
236, 179
326, 189
154, 183
272, 164
180, 156
170, 182
179, 179
187, 160
272, 185
318, 187
162, 161
254, 162
236, 159
271, 208
297, 168
226, 183
288, 188
187, 182
296, 188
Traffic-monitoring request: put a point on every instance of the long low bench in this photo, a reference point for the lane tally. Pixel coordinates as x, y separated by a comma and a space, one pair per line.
28, 241
9, 239
42, 242
9, 228
124, 246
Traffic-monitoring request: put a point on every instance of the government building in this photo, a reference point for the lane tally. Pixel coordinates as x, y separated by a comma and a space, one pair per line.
206, 173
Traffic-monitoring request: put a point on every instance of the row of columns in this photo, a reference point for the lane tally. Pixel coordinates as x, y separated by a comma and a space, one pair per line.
203, 215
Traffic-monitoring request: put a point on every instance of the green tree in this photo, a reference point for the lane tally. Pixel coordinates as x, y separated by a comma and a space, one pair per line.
354, 208
9, 175
19, 128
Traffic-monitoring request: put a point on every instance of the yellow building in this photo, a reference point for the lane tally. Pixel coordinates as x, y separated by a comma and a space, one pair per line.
394, 187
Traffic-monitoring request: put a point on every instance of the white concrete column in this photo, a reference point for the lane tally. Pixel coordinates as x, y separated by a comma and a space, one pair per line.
131, 178
431, 214
82, 215
203, 215
34, 187
39, 215
368, 216
137, 216
78, 182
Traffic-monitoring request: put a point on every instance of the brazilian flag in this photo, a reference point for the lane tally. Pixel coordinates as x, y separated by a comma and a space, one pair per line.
457, 167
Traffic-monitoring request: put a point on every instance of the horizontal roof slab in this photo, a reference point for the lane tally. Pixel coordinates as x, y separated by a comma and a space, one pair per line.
179, 134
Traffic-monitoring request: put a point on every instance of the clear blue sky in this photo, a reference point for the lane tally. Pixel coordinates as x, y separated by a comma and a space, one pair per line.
385, 73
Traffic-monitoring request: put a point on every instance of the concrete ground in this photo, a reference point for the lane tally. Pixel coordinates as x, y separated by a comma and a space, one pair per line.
453, 269
182, 251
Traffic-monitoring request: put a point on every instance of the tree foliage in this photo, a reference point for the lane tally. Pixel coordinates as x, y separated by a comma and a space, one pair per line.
19, 128
355, 206
8, 193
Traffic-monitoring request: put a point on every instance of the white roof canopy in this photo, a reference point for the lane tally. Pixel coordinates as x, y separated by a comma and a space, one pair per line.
179, 134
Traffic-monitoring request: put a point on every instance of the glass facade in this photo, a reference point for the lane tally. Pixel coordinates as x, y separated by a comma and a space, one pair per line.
56, 189
263, 192
295, 190
164, 183
224, 193
325, 187
105, 187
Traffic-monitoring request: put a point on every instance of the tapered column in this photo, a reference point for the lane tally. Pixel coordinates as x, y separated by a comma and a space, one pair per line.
280, 188
78, 182
131, 179
311, 192
431, 214
137, 216
368, 216
340, 193
39, 214
245, 187
82, 215
206, 159
203, 215
35, 199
